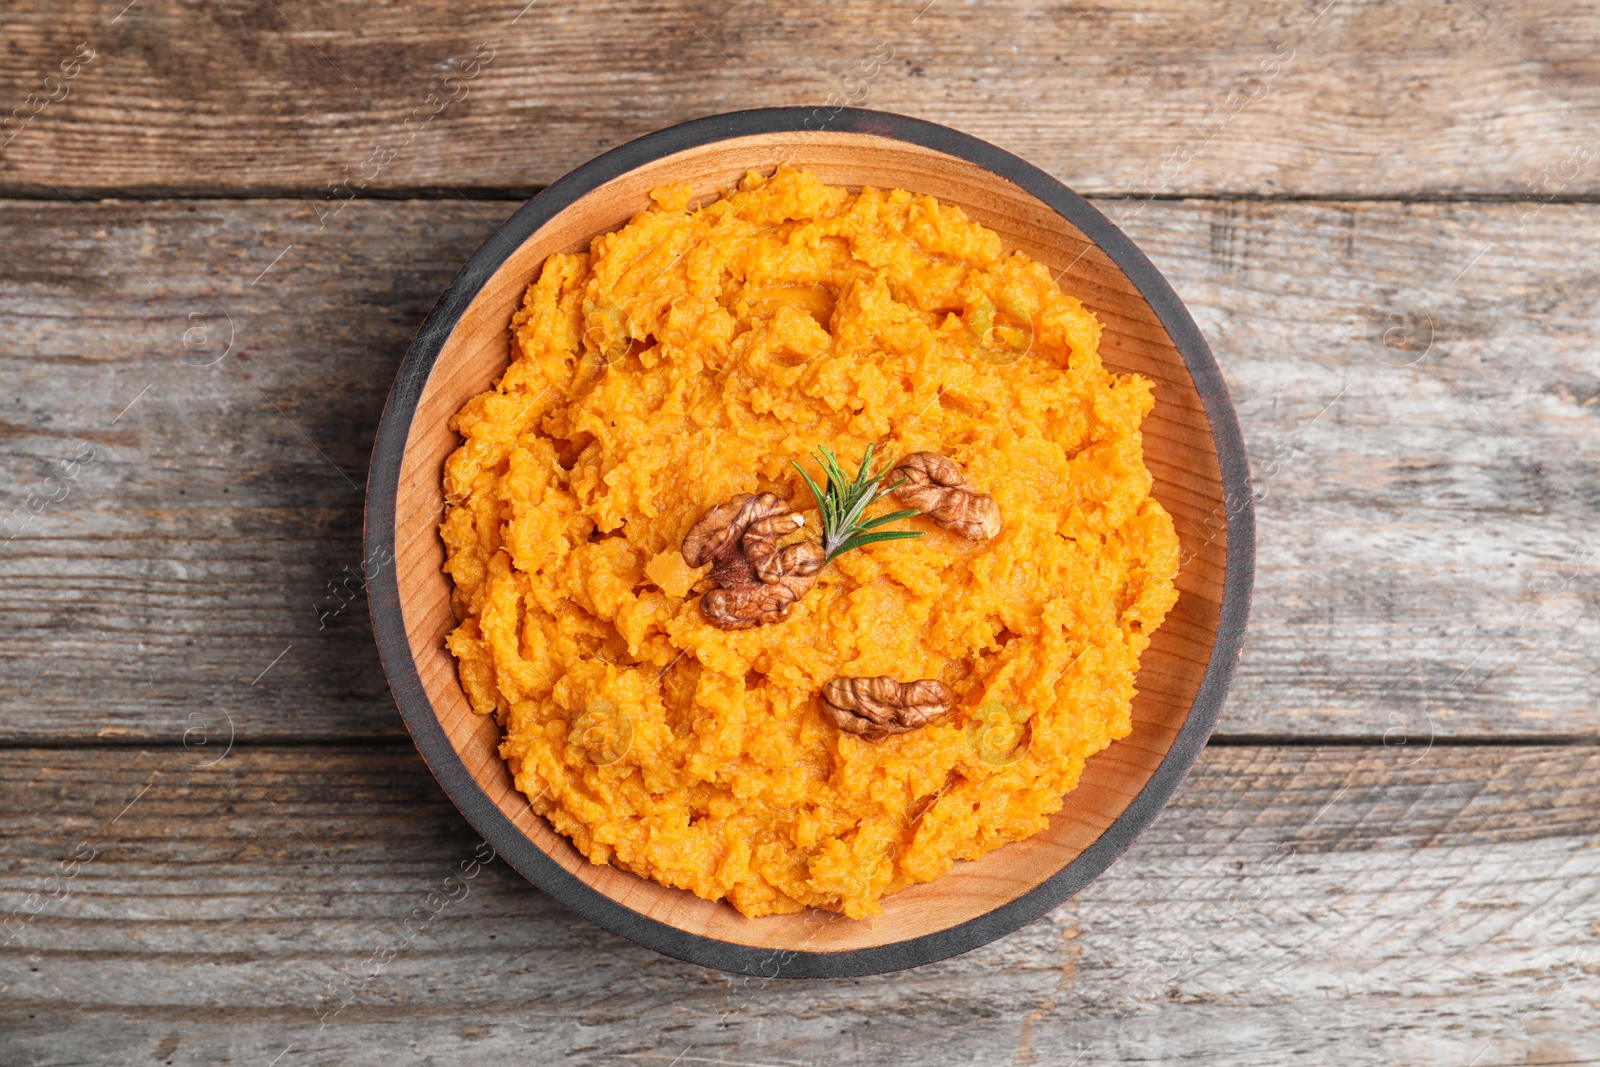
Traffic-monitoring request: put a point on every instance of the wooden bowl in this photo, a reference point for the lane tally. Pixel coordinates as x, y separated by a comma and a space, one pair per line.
1192, 446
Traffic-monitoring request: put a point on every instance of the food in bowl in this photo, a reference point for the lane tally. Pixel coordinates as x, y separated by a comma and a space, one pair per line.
805, 547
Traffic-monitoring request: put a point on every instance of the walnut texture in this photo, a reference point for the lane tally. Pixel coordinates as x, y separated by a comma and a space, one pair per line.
757, 580
875, 708
937, 487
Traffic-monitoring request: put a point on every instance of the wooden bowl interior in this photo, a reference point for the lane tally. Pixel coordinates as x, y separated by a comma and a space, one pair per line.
1178, 449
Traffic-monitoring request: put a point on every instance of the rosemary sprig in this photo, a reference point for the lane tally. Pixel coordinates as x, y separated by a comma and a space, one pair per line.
845, 501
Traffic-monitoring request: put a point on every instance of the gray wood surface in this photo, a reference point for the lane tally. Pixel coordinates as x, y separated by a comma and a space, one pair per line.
1328, 97
1429, 523
1293, 906
217, 845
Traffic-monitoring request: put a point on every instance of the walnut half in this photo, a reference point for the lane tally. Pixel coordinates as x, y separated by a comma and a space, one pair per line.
757, 580
936, 486
875, 708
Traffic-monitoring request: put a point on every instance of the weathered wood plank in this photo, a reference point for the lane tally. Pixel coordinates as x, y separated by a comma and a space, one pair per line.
1294, 906
1420, 394
1428, 555
226, 413
1329, 99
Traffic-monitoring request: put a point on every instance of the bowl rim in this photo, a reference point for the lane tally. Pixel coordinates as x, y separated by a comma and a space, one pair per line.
475, 804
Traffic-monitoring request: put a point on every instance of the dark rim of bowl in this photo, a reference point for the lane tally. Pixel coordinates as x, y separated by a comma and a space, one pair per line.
512, 844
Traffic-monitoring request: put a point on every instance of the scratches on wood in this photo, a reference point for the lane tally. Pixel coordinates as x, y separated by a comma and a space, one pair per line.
1329, 99
1421, 439
1293, 905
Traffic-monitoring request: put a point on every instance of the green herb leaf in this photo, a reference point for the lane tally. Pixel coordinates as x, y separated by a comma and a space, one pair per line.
871, 524
845, 500
883, 535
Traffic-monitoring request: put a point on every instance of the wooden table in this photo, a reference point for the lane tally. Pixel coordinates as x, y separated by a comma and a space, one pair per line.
222, 224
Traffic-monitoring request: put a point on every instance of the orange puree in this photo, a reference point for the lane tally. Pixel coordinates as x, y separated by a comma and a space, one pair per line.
691, 356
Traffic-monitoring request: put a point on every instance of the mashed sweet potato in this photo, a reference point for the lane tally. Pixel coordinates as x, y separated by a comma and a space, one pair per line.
690, 357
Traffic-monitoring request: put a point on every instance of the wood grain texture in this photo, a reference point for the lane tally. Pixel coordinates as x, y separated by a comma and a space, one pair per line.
222, 501
1419, 389
1293, 906
1428, 554
1322, 99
